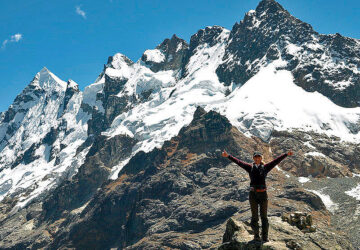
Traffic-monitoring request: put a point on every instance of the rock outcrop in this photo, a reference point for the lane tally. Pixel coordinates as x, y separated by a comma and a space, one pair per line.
238, 236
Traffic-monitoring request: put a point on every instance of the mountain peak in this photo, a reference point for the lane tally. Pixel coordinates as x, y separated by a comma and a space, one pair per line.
167, 55
270, 5
46, 79
118, 61
44, 70
173, 42
175, 37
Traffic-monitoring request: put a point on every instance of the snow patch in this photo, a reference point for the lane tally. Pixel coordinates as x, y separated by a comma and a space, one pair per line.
329, 204
293, 48
309, 145
355, 192
303, 179
154, 55
314, 153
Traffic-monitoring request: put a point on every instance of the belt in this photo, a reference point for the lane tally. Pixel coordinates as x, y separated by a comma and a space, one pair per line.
257, 189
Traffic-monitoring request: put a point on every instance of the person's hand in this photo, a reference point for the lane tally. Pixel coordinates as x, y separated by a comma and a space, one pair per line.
224, 153
290, 153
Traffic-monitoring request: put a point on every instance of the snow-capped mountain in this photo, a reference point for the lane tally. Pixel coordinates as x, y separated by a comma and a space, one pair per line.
271, 72
328, 64
39, 135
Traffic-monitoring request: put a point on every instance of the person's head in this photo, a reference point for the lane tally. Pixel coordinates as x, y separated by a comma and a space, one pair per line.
257, 157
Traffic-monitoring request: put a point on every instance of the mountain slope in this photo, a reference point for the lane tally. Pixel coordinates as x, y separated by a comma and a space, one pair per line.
40, 133
181, 195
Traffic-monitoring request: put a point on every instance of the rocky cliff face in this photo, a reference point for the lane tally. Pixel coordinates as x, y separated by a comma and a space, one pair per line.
169, 55
134, 160
325, 63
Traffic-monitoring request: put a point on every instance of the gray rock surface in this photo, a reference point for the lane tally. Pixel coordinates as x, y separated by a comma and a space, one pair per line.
282, 235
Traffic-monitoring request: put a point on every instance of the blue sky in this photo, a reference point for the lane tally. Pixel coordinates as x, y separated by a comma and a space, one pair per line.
74, 38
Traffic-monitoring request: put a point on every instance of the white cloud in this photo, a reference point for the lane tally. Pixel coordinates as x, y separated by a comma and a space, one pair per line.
80, 12
13, 39
4, 43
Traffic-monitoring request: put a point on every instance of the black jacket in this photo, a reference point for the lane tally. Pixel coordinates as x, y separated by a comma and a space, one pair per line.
258, 174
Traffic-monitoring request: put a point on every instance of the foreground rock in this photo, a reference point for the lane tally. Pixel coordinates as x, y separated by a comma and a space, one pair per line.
238, 235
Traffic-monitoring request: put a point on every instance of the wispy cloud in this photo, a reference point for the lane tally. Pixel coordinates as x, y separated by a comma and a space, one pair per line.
80, 12
13, 39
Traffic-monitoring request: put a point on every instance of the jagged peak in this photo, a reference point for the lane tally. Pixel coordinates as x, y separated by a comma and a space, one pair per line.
271, 5
209, 29
206, 35
265, 9
274, 16
216, 27
173, 41
118, 61
174, 37
44, 70
46, 79
199, 112
165, 52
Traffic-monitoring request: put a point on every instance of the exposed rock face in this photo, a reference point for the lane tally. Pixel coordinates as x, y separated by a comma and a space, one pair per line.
169, 55
238, 235
72, 194
270, 33
111, 104
317, 155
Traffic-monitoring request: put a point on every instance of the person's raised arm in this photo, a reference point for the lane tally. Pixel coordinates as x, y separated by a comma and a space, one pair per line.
273, 163
242, 164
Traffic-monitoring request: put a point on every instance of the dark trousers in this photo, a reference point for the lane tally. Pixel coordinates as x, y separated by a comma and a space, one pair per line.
259, 199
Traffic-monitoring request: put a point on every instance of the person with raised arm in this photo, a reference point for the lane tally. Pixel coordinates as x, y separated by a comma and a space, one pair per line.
258, 195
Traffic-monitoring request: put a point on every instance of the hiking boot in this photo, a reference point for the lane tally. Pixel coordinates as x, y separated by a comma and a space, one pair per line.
265, 230
264, 236
257, 237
